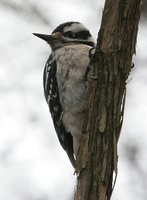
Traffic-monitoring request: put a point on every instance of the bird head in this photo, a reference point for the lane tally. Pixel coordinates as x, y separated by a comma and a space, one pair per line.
68, 33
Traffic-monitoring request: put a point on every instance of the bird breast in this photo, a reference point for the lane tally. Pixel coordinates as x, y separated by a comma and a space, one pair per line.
72, 61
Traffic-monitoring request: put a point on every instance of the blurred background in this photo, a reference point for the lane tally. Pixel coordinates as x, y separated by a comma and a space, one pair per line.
33, 165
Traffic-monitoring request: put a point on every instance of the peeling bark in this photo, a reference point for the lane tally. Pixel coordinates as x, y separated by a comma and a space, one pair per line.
97, 159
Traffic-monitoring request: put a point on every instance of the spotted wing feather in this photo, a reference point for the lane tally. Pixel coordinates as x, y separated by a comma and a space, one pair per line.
52, 97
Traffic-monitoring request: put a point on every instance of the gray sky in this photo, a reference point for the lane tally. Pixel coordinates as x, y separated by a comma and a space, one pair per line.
32, 163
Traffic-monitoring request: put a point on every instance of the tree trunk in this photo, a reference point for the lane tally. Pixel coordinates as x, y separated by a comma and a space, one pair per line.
97, 159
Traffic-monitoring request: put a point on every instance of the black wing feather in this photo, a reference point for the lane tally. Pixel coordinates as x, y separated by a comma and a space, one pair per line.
52, 97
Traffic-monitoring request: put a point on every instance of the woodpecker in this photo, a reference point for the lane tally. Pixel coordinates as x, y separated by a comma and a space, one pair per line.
65, 87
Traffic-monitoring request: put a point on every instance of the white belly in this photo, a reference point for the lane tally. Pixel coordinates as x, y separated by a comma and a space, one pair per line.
72, 63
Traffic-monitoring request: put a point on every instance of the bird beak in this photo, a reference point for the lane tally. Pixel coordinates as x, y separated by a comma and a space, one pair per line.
43, 36
54, 40
49, 38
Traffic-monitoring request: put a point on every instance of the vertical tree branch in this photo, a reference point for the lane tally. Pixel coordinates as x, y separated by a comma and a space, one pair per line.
97, 159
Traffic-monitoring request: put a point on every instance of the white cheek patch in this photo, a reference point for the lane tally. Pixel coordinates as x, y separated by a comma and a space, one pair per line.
90, 39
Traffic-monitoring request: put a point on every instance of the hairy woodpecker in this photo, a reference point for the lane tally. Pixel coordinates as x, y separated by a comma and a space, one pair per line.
65, 88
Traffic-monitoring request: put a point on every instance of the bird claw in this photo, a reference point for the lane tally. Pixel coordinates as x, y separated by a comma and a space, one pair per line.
91, 52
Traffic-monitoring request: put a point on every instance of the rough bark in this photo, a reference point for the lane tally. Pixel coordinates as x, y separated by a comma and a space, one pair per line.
97, 159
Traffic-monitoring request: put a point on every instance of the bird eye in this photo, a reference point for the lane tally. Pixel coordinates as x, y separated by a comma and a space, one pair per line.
69, 34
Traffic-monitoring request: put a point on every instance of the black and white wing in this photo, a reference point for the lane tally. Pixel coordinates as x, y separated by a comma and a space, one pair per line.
52, 97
